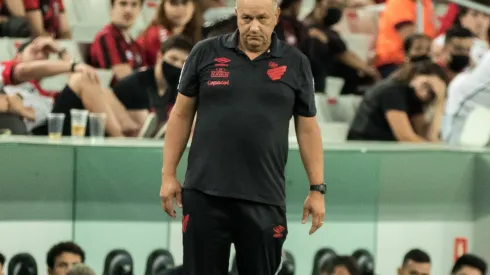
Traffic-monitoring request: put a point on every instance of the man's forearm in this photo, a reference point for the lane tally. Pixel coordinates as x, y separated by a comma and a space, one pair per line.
311, 150
176, 138
39, 69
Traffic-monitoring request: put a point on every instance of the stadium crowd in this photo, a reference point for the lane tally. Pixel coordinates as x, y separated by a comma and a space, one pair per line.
67, 258
415, 87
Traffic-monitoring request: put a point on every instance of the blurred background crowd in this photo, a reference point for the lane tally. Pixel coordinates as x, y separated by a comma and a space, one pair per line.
404, 70
67, 258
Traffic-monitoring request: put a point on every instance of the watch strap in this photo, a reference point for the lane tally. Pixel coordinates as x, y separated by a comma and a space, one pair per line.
322, 188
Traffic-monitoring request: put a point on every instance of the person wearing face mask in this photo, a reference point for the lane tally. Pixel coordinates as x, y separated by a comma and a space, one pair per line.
155, 89
417, 48
393, 110
455, 56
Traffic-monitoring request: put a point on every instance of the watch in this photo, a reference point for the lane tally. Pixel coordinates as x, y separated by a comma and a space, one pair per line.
322, 188
74, 63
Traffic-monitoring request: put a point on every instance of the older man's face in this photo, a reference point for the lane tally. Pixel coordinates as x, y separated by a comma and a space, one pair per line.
256, 22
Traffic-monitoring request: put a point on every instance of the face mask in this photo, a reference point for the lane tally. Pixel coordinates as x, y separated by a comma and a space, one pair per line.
333, 17
458, 62
419, 58
171, 74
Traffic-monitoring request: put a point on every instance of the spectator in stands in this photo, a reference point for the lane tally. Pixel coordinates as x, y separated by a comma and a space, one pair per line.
63, 256
397, 22
2, 263
80, 269
155, 89
82, 87
340, 265
289, 28
477, 23
469, 264
12, 19
113, 48
393, 110
48, 18
455, 56
415, 262
465, 94
330, 56
460, 15
417, 48
173, 17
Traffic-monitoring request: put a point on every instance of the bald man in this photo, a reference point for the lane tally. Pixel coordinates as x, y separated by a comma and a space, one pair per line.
246, 87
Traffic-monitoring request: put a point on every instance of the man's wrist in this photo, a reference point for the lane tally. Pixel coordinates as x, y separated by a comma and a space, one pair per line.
318, 188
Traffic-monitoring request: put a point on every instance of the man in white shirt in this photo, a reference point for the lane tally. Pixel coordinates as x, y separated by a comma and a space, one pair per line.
465, 92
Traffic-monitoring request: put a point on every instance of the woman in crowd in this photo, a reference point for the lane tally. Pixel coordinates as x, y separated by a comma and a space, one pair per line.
173, 17
394, 109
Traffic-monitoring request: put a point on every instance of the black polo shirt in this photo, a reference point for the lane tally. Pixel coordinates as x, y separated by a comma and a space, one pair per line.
240, 143
370, 122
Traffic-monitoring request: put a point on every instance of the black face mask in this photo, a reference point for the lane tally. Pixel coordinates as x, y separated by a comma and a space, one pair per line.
419, 58
458, 62
171, 74
333, 17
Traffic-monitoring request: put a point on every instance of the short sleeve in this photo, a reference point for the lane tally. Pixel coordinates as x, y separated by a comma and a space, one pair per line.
31, 5
304, 104
106, 52
6, 72
189, 77
392, 99
335, 43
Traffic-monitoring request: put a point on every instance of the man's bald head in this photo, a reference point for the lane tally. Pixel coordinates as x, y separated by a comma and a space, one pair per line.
274, 3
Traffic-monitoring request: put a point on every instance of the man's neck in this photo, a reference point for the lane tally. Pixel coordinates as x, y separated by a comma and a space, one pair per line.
123, 30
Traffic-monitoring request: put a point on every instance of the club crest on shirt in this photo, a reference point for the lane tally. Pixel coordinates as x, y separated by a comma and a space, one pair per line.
276, 72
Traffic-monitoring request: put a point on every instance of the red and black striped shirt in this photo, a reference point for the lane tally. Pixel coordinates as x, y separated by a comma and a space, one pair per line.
111, 47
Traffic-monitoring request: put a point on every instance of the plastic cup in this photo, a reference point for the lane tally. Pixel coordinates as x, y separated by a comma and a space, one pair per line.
55, 125
78, 122
97, 125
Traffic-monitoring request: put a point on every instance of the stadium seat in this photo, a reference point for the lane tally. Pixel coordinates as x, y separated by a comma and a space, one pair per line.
105, 77
54, 83
359, 44
93, 12
334, 132
365, 261
159, 261
322, 256
7, 52
322, 115
118, 262
22, 264
476, 130
85, 33
70, 11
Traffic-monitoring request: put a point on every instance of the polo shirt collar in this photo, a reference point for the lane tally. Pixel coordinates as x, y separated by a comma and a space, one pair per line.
231, 42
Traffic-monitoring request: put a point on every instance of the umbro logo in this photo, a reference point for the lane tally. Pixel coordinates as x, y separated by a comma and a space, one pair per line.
222, 62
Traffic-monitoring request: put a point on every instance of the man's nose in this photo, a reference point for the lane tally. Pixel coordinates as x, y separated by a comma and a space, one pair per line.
254, 26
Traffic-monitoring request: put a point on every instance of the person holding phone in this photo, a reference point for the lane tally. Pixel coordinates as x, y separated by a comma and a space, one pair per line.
395, 109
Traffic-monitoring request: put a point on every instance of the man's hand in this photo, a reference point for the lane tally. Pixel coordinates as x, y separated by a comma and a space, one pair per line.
439, 87
46, 43
87, 70
170, 189
314, 206
318, 34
